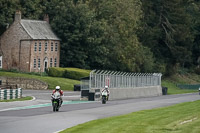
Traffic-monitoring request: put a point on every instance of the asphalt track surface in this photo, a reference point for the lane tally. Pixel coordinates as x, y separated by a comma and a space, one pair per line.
43, 120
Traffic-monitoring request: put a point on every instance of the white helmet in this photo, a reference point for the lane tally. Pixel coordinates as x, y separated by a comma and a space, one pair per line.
106, 87
57, 87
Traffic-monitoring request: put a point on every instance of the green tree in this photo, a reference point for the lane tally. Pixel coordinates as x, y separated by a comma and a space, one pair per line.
7, 10
121, 20
166, 30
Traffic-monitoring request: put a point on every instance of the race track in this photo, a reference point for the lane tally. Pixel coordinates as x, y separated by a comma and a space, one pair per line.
41, 119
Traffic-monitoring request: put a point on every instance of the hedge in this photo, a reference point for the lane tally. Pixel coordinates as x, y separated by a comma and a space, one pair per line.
71, 73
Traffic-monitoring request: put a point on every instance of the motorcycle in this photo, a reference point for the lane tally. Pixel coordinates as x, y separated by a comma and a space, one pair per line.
104, 96
56, 101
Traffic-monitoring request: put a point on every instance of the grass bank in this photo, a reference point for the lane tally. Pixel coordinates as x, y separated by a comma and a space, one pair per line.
186, 78
180, 118
18, 99
66, 84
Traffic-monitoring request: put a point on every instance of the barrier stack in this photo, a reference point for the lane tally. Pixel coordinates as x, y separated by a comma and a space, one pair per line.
6, 94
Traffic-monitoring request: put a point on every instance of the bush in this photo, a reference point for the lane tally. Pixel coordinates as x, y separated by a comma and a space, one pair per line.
56, 72
71, 73
197, 71
75, 74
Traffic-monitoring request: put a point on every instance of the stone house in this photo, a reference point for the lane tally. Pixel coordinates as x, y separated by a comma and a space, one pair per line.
29, 46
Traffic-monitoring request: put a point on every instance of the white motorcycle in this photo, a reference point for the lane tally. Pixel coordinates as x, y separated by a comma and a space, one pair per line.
104, 96
56, 101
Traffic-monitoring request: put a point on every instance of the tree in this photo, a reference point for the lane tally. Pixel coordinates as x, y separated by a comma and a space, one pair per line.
7, 10
167, 31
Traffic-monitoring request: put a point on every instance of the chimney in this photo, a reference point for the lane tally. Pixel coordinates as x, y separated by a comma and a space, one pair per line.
46, 18
18, 16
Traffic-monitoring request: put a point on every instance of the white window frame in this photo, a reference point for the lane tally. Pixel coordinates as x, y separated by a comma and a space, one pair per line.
39, 63
46, 46
55, 62
52, 46
34, 63
56, 46
40, 46
35, 47
51, 62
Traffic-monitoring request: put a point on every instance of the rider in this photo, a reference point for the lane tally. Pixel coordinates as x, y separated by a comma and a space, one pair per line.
106, 89
61, 93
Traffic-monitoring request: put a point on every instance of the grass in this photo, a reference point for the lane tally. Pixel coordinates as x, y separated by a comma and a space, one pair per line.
173, 89
66, 84
187, 78
18, 99
180, 118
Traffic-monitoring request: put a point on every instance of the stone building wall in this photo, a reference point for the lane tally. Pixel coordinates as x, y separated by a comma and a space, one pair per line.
10, 45
24, 83
42, 55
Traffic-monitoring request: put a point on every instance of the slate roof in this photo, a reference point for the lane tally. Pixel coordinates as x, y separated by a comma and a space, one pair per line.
38, 29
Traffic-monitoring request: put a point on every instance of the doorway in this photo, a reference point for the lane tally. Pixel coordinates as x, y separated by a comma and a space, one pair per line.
1, 62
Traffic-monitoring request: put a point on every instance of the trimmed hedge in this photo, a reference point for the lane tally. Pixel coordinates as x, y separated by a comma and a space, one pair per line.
71, 73
56, 72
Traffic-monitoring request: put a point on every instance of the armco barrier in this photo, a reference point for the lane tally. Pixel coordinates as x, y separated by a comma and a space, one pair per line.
6, 94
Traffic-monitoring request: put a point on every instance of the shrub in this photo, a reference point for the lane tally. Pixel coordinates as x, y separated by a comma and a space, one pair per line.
77, 75
56, 72
72, 73
197, 71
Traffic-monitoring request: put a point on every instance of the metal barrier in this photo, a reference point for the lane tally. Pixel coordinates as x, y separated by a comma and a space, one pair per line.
115, 79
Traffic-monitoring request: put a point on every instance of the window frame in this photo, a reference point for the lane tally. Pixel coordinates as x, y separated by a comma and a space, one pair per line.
51, 62
51, 46
55, 62
35, 47
39, 65
46, 46
40, 47
34, 63
56, 46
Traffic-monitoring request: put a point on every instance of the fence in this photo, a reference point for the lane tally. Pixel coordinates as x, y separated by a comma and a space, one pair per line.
6, 94
114, 79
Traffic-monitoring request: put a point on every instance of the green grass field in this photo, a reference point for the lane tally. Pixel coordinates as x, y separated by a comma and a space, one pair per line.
173, 89
66, 84
18, 99
180, 118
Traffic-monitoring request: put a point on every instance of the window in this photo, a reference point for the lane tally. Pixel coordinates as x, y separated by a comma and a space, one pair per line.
39, 46
56, 47
38, 63
55, 62
35, 48
52, 46
51, 62
34, 63
46, 46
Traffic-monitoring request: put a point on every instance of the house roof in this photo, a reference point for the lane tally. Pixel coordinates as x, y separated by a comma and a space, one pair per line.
38, 29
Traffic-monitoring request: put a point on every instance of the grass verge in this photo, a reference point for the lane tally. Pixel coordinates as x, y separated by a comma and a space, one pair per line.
18, 99
187, 78
66, 84
173, 89
180, 118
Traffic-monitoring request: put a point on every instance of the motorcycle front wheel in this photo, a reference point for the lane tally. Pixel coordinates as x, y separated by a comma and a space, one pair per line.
54, 107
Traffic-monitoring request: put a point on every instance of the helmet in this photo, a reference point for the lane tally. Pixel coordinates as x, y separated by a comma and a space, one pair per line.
106, 87
57, 87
